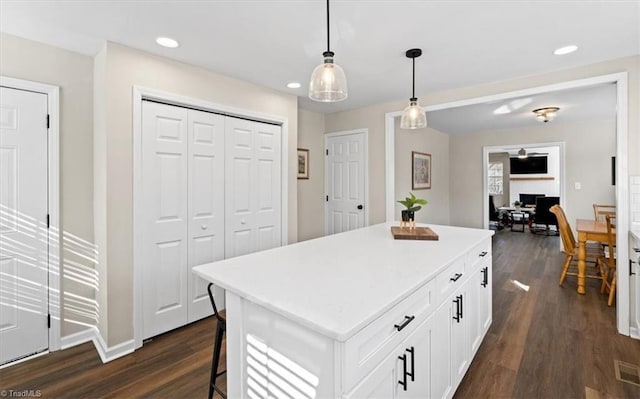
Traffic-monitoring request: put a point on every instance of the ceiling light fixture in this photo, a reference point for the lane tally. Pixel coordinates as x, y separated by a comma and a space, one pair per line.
522, 153
167, 42
546, 114
565, 50
413, 117
293, 85
328, 82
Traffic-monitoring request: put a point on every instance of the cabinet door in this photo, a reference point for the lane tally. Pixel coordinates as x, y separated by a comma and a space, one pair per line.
405, 373
485, 301
474, 299
440, 363
460, 344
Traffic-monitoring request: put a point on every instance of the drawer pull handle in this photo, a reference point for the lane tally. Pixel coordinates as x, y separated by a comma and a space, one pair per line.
458, 302
403, 381
485, 277
407, 320
413, 363
456, 277
483, 254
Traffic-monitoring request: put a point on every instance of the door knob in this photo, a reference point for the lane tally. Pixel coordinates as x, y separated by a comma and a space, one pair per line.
360, 207
203, 227
243, 221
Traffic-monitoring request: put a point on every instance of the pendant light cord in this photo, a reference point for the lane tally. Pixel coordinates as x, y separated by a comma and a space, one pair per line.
328, 30
413, 80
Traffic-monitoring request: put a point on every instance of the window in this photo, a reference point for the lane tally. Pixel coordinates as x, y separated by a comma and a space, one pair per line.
495, 178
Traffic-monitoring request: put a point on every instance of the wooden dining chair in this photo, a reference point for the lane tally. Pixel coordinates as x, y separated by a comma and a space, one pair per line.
570, 248
607, 262
600, 211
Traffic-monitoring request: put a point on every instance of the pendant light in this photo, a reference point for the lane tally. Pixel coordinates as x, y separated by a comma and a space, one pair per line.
328, 82
413, 117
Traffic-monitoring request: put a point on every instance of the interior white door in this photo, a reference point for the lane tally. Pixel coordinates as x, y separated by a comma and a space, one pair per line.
206, 205
165, 195
345, 177
23, 226
253, 186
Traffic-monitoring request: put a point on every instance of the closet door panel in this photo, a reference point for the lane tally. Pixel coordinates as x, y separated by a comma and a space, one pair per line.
206, 205
164, 237
268, 191
240, 187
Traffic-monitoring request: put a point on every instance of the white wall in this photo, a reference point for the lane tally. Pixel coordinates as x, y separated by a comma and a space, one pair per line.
311, 191
73, 73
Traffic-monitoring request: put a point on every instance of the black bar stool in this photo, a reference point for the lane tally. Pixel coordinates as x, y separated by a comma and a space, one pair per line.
221, 328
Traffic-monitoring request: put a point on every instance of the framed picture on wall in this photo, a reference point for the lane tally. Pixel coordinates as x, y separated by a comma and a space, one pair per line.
420, 170
303, 163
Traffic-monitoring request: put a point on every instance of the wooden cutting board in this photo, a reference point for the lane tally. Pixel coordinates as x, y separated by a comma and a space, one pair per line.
418, 233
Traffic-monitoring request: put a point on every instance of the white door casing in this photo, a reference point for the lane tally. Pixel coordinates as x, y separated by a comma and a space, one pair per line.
253, 186
346, 185
164, 188
206, 205
23, 224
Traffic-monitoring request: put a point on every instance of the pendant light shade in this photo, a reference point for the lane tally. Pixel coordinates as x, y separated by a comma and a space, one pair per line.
414, 116
328, 82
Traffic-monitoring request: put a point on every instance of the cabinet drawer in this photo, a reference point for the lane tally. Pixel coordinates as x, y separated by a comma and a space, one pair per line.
451, 278
365, 350
479, 253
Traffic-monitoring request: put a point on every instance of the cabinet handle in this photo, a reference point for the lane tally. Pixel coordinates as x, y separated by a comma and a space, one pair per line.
483, 254
456, 277
457, 316
407, 320
403, 382
461, 311
413, 363
485, 277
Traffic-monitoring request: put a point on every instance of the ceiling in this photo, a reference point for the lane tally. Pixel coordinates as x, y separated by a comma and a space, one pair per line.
272, 43
576, 105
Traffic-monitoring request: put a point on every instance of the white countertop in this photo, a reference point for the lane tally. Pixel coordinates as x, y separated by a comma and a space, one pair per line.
338, 284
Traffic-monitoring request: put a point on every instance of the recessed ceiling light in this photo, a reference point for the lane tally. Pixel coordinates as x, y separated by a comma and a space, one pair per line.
565, 50
293, 85
167, 42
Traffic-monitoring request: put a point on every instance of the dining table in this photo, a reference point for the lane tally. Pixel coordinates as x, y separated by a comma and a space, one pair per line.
588, 230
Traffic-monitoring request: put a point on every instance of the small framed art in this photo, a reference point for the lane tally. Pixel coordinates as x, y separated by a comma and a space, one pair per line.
303, 163
420, 170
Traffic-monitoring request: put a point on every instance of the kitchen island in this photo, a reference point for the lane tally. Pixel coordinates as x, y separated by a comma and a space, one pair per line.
356, 314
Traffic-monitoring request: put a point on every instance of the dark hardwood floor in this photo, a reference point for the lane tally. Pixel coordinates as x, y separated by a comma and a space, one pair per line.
548, 342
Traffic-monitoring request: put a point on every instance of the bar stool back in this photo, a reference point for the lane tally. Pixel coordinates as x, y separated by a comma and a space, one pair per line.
221, 328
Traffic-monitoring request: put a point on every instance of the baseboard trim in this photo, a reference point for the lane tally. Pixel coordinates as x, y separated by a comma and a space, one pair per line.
105, 352
78, 338
634, 332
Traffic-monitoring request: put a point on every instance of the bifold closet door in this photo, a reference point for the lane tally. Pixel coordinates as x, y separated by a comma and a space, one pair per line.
183, 196
206, 205
253, 186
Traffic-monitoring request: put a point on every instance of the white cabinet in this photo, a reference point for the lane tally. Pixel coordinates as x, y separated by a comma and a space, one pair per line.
397, 320
405, 373
211, 189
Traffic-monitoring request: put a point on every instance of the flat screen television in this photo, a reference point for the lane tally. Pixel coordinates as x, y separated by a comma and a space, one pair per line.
529, 165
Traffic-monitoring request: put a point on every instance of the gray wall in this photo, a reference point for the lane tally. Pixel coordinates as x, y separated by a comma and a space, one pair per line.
311, 191
73, 74
588, 149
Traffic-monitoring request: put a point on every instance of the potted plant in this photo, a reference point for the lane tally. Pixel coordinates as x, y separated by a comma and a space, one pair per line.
517, 204
413, 204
